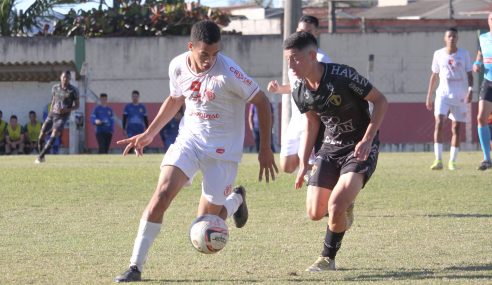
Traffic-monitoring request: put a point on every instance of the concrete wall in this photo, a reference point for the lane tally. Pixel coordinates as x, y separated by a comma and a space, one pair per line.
119, 65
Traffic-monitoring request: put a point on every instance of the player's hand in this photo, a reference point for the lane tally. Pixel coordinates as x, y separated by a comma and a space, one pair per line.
429, 104
476, 68
267, 165
272, 86
137, 142
362, 150
300, 176
98, 122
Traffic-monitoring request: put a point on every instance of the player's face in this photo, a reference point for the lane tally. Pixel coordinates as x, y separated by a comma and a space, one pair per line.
490, 21
308, 28
64, 79
450, 38
32, 117
203, 55
300, 61
135, 98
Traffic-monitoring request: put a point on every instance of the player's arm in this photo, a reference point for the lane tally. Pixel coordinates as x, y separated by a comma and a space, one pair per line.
274, 87
363, 148
306, 145
265, 154
469, 96
250, 117
168, 109
477, 65
429, 101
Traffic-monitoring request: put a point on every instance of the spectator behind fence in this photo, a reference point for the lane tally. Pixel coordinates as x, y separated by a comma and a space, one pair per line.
254, 126
452, 66
3, 126
102, 118
170, 131
31, 133
135, 116
14, 137
65, 99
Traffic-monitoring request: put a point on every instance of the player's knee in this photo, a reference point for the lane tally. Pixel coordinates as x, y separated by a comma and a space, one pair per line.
315, 213
336, 212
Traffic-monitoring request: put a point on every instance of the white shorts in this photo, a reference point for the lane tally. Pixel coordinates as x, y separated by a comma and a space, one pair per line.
457, 112
292, 136
218, 175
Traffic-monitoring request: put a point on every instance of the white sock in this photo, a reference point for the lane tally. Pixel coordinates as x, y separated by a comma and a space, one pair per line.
147, 232
438, 151
453, 153
233, 202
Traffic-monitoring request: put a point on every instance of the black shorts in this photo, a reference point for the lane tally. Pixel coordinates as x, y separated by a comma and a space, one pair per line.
486, 90
326, 169
54, 121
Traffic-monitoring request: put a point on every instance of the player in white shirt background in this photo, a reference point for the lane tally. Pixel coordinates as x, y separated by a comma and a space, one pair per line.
453, 67
289, 147
215, 91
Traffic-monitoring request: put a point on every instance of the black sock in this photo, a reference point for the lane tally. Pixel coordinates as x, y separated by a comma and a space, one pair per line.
47, 146
332, 243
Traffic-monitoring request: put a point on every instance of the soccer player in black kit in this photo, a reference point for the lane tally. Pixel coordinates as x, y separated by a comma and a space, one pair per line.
337, 96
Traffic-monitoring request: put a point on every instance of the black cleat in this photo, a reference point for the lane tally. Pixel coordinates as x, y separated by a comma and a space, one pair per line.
484, 165
131, 275
241, 215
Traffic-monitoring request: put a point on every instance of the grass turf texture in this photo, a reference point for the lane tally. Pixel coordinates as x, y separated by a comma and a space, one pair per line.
73, 220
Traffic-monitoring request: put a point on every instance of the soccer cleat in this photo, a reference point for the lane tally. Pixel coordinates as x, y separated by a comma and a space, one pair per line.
350, 216
437, 165
484, 165
131, 275
39, 160
240, 217
322, 264
451, 165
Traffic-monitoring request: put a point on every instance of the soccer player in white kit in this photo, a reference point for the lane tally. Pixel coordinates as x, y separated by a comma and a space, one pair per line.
289, 147
215, 91
452, 65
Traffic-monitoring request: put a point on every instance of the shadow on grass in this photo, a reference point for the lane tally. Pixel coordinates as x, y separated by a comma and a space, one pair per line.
448, 273
459, 215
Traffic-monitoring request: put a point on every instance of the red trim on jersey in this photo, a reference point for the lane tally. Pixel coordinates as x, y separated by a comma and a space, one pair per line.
487, 60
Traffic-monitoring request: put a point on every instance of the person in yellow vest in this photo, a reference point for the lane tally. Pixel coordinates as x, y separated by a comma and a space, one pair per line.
3, 126
14, 137
31, 132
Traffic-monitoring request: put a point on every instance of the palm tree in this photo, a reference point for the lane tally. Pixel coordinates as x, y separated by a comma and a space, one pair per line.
13, 22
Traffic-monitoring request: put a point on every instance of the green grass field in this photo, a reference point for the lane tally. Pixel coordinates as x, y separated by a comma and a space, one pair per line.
73, 221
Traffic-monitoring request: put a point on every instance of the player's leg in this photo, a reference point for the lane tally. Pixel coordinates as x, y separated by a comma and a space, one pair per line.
484, 109
289, 146
457, 116
440, 110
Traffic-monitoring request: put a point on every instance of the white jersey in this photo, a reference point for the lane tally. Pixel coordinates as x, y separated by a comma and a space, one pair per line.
215, 105
453, 78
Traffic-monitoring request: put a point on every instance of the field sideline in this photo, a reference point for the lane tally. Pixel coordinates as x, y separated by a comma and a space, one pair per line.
73, 221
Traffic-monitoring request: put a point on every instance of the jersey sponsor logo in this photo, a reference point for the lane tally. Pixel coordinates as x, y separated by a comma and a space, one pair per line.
239, 75
228, 190
349, 73
205, 116
220, 150
335, 127
356, 88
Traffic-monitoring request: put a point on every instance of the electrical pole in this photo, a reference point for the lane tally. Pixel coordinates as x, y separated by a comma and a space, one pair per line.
292, 13
451, 10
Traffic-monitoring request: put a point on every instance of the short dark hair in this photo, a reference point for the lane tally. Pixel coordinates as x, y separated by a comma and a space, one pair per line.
67, 73
452, 29
300, 40
205, 31
32, 113
310, 20
13, 117
103, 95
136, 92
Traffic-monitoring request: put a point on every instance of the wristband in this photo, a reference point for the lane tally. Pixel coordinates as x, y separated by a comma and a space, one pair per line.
478, 62
470, 88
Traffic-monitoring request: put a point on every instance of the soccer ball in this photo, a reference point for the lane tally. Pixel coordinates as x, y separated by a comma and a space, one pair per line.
209, 234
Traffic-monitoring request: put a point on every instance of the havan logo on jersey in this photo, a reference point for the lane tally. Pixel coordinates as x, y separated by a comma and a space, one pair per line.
350, 73
335, 127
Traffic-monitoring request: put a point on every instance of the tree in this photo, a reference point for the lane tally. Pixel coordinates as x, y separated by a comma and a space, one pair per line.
14, 23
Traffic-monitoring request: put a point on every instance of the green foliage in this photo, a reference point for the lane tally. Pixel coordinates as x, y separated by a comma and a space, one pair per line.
73, 220
132, 18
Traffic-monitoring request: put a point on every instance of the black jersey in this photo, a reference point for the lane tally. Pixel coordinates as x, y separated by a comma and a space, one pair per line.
339, 101
63, 98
